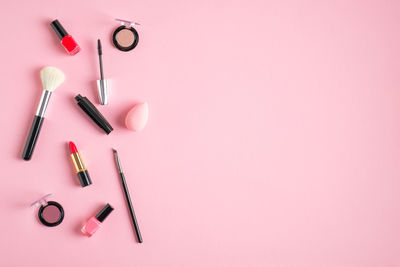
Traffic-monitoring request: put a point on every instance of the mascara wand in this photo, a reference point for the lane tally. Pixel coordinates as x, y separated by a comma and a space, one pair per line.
102, 84
100, 52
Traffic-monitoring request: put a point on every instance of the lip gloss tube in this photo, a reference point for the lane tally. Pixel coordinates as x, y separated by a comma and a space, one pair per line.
94, 223
81, 171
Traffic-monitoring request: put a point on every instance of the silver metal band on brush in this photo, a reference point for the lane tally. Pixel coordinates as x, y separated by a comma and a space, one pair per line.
44, 100
117, 160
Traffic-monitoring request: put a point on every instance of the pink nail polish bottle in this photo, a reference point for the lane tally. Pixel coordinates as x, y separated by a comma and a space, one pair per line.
94, 222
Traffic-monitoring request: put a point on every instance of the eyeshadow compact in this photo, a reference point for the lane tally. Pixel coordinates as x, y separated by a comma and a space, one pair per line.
50, 213
125, 37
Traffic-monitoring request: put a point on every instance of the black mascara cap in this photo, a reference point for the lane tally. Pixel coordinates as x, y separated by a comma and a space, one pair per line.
94, 113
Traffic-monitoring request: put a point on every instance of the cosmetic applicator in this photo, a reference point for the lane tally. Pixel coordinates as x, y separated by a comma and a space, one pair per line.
128, 198
102, 84
137, 117
51, 78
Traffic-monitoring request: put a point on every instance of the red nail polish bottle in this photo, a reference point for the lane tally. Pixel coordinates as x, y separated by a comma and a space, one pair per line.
66, 40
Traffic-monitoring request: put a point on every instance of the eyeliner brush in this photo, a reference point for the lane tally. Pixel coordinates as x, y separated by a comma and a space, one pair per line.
102, 84
128, 198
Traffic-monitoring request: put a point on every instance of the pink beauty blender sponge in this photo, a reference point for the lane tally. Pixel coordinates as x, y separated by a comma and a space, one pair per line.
137, 117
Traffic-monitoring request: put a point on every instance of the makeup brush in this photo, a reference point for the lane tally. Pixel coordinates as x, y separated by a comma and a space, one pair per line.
51, 78
102, 84
128, 198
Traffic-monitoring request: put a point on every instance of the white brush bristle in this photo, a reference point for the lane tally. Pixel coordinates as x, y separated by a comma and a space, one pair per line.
51, 78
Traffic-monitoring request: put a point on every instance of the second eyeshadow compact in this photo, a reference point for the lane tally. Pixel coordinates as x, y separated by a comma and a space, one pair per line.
50, 213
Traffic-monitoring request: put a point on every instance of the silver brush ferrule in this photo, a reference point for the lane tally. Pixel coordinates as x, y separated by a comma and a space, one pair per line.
44, 100
117, 161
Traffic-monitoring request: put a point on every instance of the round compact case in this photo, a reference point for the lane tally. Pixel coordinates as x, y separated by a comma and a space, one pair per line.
125, 37
50, 213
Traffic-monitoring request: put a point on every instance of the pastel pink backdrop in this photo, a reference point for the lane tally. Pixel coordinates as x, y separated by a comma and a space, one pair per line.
273, 137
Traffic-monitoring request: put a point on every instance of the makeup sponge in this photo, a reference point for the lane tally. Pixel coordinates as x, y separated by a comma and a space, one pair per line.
137, 117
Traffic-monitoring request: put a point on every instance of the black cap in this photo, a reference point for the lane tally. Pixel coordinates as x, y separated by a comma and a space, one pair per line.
59, 29
84, 178
104, 213
94, 113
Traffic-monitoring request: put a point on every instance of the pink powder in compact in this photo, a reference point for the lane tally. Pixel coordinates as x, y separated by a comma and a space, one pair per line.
51, 214
125, 38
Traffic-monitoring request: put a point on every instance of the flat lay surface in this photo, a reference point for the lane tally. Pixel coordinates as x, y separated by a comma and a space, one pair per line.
273, 134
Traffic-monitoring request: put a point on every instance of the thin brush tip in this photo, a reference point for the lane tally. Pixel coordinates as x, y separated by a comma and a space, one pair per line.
114, 150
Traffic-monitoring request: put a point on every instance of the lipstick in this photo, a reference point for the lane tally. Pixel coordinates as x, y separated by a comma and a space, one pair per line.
81, 171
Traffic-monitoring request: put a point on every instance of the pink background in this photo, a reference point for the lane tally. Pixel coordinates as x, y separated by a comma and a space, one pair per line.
273, 137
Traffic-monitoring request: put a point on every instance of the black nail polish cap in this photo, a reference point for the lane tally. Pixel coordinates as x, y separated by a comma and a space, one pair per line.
59, 29
93, 113
104, 213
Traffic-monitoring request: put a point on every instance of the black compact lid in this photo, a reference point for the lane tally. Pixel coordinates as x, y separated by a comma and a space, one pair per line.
59, 29
104, 213
93, 113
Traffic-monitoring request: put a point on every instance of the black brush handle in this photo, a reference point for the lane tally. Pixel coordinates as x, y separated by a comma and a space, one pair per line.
133, 216
32, 137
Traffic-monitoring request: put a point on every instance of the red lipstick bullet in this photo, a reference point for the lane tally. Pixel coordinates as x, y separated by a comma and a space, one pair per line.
66, 40
81, 171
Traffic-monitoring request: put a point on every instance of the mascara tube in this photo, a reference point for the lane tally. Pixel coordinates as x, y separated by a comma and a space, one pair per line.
93, 113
